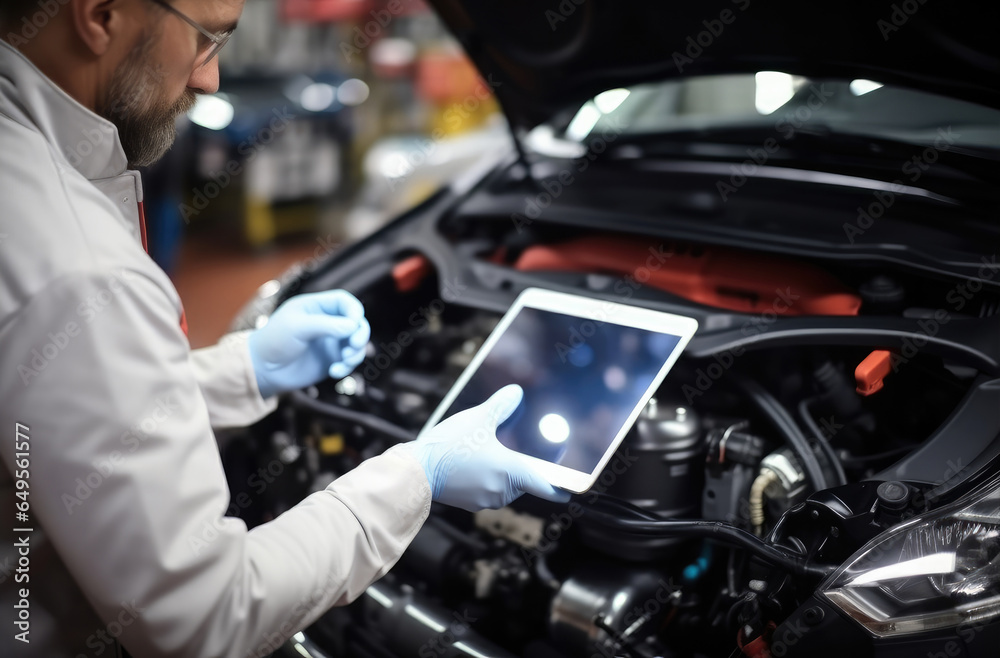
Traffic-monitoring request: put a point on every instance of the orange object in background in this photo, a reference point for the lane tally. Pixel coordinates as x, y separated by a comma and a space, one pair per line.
461, 100
871, 373
408, 273
325, 11
448, 76
735, 280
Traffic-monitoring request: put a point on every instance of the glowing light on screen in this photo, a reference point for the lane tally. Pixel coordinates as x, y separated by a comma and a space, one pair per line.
554, 428
615, 378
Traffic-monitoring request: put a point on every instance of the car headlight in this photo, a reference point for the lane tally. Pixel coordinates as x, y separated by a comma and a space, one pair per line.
939, 570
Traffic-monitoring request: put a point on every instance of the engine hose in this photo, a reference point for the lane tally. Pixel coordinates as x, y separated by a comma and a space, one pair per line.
824, 445
613, 504
715, 530
790, 431
766, 478
374, 423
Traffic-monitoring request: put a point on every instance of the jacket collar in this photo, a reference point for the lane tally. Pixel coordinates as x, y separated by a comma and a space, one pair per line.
89, 142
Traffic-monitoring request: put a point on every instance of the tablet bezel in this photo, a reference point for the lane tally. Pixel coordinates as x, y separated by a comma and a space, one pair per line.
595, 310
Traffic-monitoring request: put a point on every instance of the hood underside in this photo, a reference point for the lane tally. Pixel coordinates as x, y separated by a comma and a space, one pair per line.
540, 57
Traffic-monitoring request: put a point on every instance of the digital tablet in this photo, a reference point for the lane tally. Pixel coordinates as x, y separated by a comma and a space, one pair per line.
587, 367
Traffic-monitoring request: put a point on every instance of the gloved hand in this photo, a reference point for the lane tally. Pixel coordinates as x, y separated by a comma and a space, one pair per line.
467, 466
307, 338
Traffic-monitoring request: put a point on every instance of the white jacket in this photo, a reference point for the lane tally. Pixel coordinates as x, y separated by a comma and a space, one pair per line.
127, 494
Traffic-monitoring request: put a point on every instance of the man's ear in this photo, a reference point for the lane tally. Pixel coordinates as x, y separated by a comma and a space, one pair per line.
96, 22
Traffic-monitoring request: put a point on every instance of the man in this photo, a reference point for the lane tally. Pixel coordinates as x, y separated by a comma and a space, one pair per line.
111, 478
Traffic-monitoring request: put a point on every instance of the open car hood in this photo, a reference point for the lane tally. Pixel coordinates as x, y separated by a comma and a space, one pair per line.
539, 57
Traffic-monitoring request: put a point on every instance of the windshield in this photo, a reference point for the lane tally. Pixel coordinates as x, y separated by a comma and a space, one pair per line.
786, 104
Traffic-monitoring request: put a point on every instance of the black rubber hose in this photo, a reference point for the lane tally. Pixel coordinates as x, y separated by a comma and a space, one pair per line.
374, 423
824, 445
790, 431
613, 505
642, 524
860, 461
715, 530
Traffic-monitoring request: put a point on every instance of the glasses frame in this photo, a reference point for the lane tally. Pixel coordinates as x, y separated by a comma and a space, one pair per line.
218, 40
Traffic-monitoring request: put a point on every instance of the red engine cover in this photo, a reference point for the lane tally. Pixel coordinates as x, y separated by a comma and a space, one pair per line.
736, 280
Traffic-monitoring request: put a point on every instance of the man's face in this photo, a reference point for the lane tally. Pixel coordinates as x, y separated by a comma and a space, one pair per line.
162, 75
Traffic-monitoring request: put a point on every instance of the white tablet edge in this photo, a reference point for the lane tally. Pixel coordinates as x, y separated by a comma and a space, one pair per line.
598, 311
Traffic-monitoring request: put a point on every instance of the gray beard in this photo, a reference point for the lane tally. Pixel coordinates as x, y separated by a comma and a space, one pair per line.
146, 125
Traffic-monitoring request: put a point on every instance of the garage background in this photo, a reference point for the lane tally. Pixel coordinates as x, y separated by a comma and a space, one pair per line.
332, 116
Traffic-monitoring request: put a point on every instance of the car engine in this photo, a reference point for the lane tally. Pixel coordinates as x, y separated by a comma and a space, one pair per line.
764, 461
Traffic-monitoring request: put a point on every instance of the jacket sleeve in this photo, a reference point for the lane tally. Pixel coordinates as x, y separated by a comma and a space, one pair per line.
226, 376
119, 406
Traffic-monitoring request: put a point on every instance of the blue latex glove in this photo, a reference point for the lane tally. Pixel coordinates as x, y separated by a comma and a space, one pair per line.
467, 466
307, 339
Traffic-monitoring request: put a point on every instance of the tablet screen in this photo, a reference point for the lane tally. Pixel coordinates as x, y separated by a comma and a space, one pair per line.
581, 379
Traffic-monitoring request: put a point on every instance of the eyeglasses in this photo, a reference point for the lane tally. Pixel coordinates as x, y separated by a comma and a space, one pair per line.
216, 41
